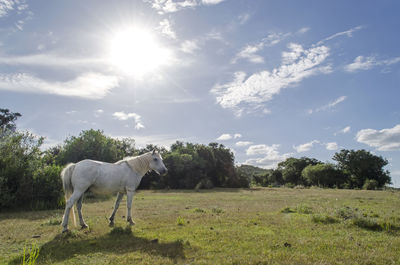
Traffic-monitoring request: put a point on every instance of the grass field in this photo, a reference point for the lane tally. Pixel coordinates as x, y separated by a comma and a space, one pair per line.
220, 226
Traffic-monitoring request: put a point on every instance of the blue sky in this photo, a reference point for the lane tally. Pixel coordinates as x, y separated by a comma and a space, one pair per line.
269, 79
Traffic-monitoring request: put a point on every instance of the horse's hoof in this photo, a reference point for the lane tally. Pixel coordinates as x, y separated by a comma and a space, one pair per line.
66, 230
84, 226
111, 224
131, 223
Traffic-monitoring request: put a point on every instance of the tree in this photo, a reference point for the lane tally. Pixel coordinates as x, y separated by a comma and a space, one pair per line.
360, 166
25, 181
93, 144
292, 167
323, 175
7, 119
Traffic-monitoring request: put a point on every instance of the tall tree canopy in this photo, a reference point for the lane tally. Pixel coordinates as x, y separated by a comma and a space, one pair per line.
292, 167
361, 165
7, 119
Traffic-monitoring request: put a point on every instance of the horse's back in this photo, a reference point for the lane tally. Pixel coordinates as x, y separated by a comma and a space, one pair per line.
100, 177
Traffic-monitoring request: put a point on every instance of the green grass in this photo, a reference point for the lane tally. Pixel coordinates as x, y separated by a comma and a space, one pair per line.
219, 226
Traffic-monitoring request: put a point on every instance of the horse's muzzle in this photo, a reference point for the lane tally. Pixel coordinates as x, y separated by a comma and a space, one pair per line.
163, 172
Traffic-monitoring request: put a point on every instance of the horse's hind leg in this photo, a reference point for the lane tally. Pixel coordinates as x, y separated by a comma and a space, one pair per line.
129, 199
79, 208
68, 205
117, 202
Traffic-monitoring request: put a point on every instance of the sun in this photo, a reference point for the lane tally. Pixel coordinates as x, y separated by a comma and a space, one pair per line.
136, 52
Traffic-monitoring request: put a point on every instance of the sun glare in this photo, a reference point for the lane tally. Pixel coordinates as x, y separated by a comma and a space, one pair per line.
136, 52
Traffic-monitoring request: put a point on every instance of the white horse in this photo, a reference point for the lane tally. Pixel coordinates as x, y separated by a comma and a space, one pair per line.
122, 177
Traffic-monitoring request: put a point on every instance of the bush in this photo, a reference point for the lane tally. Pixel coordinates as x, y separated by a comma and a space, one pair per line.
370, 184
323, 175
25, 180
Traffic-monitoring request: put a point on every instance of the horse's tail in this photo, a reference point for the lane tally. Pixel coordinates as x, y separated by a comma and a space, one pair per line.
66, 175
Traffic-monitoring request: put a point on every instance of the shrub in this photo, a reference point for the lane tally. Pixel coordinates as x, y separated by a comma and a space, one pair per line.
370, 184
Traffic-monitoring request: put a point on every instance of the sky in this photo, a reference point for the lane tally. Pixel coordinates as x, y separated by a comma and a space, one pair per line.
268, 79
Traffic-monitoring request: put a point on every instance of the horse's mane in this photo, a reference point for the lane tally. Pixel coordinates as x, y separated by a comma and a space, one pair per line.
137, 163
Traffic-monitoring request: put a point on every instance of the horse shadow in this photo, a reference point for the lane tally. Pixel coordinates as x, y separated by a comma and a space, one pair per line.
118, 241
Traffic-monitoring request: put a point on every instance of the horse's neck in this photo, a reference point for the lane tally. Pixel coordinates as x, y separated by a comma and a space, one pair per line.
140, 164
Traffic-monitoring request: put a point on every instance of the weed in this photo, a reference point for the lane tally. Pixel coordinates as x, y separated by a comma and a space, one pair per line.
324, 219
217, 210
366, 223
345, 213
30, 257
304, 209
53, 221
198, 210
288, 210
180, 221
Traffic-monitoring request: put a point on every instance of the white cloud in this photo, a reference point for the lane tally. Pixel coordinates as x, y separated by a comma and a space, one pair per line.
166, 29
383, 140
271, 156
237, 135
366, 63
243, 18
122, 116
332, 146
330, 105
19, 10
88, 85
6, 6
250, 50
361, 63
164, 140
212, 2
252, 92
227, 136
344, 130
97, 113
305, 147
190, 46
249, 53
261, 149
50, 60
303, 30
224, 137
71, 112
348, 33
243, 143
171, 6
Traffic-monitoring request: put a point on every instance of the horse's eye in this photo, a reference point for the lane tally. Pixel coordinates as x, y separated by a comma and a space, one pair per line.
155, 159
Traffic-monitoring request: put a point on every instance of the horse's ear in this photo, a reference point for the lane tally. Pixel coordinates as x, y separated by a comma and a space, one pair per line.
154, 151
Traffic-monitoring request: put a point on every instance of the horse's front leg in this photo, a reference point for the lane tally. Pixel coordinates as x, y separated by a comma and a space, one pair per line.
129, 199
117, 202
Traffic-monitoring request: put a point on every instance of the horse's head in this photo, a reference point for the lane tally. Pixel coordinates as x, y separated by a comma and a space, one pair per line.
157, 164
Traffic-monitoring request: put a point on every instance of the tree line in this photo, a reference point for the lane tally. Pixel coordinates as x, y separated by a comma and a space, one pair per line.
30, 176
354, 169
